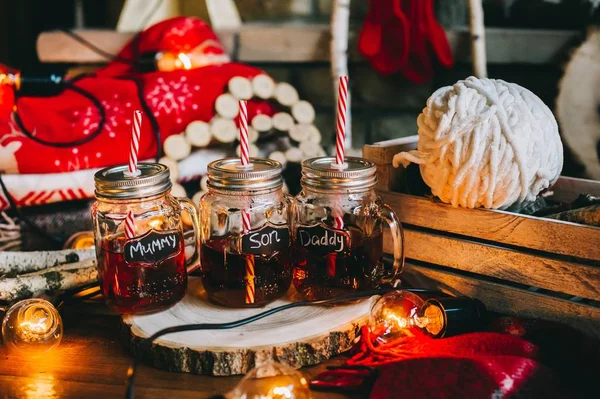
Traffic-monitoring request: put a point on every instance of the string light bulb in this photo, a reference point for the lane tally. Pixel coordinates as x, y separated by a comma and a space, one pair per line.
400, 314
272, 381
32, 326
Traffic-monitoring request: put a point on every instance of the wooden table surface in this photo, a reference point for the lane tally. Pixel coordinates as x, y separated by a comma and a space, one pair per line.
91, 362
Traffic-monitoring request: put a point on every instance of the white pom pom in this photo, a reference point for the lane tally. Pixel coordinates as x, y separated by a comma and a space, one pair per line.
304, 112
262, 123
486, 143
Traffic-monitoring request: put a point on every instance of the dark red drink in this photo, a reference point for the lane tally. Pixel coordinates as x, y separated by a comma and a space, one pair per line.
224, 274
140, 287
320, 275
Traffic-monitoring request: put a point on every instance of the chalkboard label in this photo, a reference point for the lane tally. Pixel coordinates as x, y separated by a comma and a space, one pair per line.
267, 240
153, 247
322, 239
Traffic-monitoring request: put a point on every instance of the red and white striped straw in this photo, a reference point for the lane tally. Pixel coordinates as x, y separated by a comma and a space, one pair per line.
249, 262
129, 225
245, 160
340, 137
341, 120
136, 131
243, 115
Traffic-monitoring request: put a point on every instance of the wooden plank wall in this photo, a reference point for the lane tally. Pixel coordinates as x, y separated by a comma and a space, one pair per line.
310, 43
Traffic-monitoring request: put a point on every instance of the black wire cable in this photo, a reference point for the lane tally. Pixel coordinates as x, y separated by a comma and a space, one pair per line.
147, 342
68, 86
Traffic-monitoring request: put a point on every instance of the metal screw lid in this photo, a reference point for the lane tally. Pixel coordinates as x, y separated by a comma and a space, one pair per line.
359, 175
229, 174
114, 184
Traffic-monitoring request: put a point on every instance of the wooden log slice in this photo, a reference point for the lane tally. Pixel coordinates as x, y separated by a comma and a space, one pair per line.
252, 135
223, 130
173, 167
262, 123
198, 134
227, 106
240, 87
263, 86
298, 337
303, 112
176, 147
283, 121
279, 157
204, 183
294, 154
285, 94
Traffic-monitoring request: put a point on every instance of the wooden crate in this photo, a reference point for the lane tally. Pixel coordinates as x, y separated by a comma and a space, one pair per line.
516, 264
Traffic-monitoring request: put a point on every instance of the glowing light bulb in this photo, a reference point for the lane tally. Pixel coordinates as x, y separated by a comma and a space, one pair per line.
10, 76
272, 381
32, 326
401, 314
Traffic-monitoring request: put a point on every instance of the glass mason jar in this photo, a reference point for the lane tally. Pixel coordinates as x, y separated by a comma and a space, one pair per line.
245, 258
338, 230
146, 269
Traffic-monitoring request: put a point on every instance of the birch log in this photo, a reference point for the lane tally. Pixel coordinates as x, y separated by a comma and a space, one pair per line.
303, 112
240, 88
340, 25
263, 86
14, 263
198, 134
283, 121
58, 278
227, 106
477, 39
223, 130
298, 337
173, 168
176, 147
286, 94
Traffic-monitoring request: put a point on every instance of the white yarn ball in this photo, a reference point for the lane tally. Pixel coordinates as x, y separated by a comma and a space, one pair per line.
486, 143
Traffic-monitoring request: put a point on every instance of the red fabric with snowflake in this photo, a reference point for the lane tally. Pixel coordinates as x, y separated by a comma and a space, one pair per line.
175, 98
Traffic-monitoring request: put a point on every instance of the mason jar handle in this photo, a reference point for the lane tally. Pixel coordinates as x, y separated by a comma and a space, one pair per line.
188, 206
389, 216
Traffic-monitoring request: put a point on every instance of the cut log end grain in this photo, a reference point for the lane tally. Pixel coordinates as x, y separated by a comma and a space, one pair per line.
310, 149
294, 154
178, 191
223, 130
204, 183
227, 106
283, 121
173, 168
263, 86
279, 157
198, 134
303, 132
300, 337
253, 150
197, 197
303, 112
240, 88
286, 94
176, 147
262, 123
252, 135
